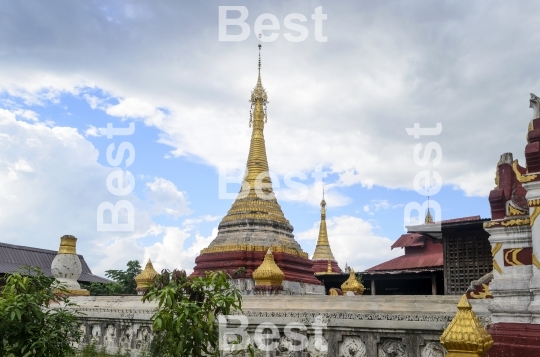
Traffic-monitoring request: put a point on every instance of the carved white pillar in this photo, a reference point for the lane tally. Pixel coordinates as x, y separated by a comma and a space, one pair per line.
510, 284
533, 197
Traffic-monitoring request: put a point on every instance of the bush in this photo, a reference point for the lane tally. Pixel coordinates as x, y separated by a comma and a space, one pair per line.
35, 316
185, 322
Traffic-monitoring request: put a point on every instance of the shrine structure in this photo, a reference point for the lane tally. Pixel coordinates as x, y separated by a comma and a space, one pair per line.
256, 223
323, 258
515, 240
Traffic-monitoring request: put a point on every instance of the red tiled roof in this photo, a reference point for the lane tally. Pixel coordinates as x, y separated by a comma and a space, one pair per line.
409, 240
411, 261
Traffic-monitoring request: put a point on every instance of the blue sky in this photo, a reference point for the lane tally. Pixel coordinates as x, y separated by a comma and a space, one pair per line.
342, 105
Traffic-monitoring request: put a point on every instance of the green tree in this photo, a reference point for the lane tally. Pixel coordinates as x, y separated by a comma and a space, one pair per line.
36, 319
124, 281
185, 322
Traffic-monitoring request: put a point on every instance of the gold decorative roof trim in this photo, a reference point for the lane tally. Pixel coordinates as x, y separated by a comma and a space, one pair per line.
508, 222
534, 202
520, 177
253, 248
268, 273
536, 212
465, 336
146, 278
68, 245
322, 249
513, 211
352, 284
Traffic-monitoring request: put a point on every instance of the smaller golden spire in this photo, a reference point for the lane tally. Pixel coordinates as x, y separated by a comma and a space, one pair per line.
352, 284
465, 336
145, 280
268, 273
329, 269
322, 249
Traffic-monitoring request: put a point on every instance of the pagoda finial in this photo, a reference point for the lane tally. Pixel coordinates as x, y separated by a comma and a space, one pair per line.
429, 218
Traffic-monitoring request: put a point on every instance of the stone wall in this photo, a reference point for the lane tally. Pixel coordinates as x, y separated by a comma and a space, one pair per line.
352, 326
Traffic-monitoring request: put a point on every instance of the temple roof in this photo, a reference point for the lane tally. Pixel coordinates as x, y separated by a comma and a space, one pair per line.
13, 257
411, 262
410, 240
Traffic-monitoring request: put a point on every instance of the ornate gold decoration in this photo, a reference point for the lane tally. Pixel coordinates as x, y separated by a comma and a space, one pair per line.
490, 224
68, 245
496, 248
513, 260
333, 292
256, 199
253, 248
536, 212
323, 250
482, 294
534, 203
516, 222
494, 251
268, 273
465, 336
530, 127
535, 261
519, 176
352, 284
429, 218
512, 211
145, 280
74, 292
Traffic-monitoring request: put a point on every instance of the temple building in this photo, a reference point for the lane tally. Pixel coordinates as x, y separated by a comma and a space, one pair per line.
418, 272
323, 258
255, 222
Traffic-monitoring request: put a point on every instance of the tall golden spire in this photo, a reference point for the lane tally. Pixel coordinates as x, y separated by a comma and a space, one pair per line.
256, 199
323, 250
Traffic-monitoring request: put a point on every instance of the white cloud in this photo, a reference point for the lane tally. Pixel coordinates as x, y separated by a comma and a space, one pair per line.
172, 252
353, 242
167, 199
92, 131
26, 114
136, 108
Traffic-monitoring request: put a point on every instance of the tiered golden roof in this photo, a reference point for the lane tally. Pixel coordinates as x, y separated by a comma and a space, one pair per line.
465, 336
256, 199
323, 250
268, 273
253, 248
145, 279
352, 284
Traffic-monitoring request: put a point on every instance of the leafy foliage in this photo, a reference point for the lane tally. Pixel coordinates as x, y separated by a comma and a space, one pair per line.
124, 281
185, 323
35, 317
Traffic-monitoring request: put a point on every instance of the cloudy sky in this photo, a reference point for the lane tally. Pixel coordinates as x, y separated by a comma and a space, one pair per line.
340, 106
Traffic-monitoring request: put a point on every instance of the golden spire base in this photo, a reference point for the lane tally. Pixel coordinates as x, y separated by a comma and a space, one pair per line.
145, 280
465, 336
352, 284
268, 273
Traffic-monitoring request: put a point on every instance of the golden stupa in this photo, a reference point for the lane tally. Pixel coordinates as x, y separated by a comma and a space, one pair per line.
465, 336
145, 280
268, 273
352, 284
